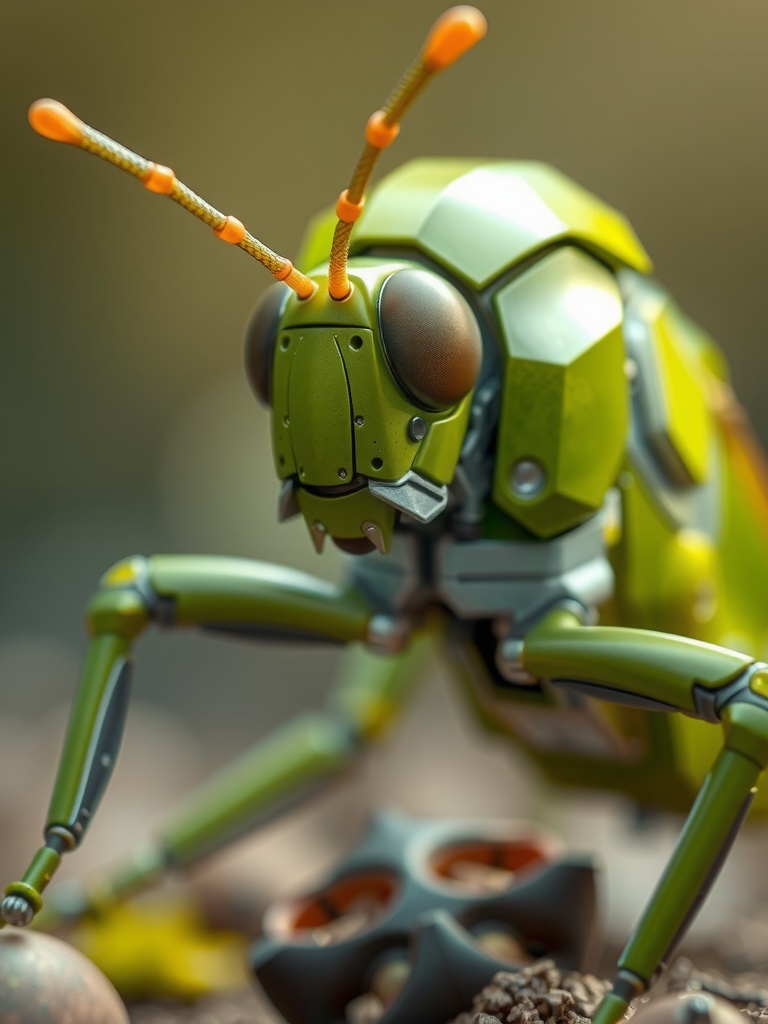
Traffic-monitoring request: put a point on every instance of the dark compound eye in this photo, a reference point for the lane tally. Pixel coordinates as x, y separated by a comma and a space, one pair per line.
260, 338
431, 338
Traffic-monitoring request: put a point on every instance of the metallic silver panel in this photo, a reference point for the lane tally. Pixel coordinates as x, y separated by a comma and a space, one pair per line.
414, 495
485, 578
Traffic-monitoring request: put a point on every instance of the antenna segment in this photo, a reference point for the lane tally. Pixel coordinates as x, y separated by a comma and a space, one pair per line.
54, 121
453, 34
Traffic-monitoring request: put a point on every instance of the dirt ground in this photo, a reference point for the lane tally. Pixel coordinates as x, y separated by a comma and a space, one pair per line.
539, 994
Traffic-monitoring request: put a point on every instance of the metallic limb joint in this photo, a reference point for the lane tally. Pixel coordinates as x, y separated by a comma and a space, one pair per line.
387, 635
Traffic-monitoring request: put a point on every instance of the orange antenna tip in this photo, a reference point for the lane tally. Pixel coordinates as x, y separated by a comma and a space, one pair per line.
452, 35
53, 120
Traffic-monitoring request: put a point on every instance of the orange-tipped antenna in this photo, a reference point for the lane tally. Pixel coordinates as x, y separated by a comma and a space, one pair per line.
54, 121
452, 35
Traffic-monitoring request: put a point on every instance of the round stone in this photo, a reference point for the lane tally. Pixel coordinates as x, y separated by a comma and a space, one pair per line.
45, 980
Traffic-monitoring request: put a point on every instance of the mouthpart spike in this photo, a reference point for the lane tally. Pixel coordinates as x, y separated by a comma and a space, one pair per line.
452, 35
288, 502
375, 535
318, 533
54, 121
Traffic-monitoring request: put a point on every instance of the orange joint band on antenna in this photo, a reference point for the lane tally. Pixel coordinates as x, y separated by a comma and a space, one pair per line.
232, 231
347, 211
452, 35
159, 179
53, 120
302, 285
285, 271
378, 133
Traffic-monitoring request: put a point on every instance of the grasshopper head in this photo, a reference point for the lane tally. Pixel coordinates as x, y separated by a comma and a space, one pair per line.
370, 398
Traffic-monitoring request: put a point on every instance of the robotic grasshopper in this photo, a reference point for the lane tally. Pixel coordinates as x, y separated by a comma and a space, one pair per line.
484, 384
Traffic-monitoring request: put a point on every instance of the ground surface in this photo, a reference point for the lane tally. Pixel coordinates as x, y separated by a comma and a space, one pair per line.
539, 994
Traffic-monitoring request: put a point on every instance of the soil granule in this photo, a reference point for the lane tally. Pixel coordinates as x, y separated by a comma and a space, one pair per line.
539, 994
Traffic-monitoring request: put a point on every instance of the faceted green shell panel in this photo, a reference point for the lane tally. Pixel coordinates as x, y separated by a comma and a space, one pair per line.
565, 400
479, 218
676, 419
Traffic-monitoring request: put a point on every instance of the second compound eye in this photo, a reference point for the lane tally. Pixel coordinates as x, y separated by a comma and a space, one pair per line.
260, 339
431, 338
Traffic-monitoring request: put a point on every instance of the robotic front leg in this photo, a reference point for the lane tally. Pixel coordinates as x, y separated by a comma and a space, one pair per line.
668, 673
230, 595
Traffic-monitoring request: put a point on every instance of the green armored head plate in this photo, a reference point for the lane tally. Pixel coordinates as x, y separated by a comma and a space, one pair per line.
370, 397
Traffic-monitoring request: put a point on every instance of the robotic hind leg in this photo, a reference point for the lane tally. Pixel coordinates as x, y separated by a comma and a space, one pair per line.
229, 595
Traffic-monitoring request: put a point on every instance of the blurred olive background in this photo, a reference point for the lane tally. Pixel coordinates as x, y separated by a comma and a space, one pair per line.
125, 422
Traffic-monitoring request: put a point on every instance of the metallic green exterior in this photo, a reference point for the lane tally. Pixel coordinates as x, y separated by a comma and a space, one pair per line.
656, 666
479, 218
207, 590
276, 772
37, 876
228, 593
706, 838
708, 834
344, 516
106, 650
296, 757
746, 730
321, 427
565, 396
677, 420
372, 688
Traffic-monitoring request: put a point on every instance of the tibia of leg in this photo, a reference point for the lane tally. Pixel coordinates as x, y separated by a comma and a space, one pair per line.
703, 845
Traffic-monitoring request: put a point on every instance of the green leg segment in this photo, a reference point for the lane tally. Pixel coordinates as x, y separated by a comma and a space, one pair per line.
373, 687
699, 853
230, 595
275, 774
278, 771
672, 673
